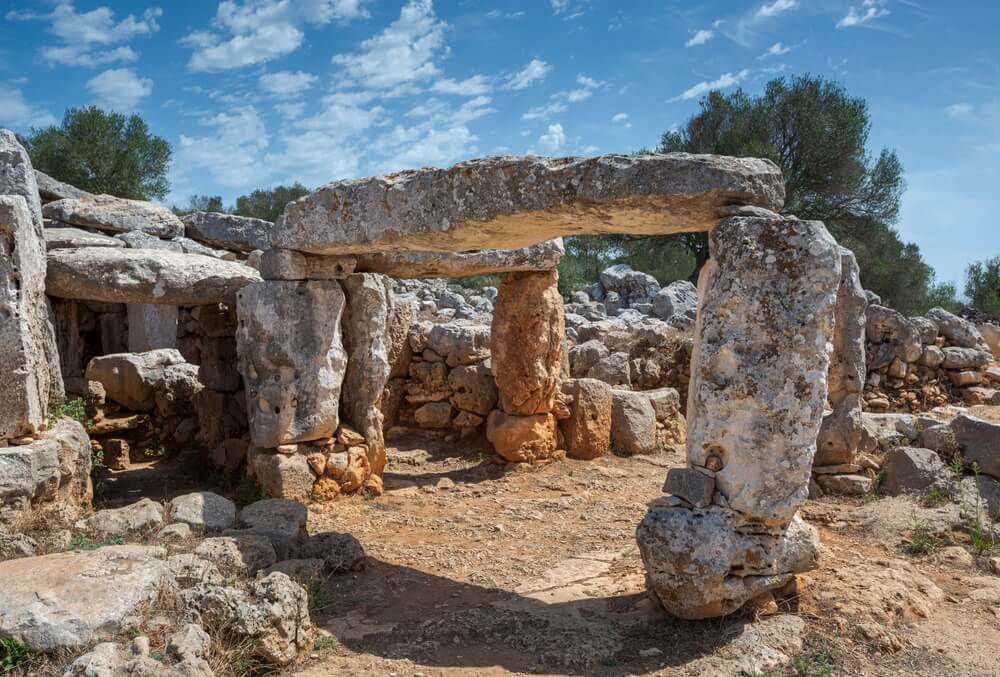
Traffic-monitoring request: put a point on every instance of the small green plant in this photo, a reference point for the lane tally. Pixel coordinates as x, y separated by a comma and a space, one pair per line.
14, 655
248, 491
923, 540
75, 409
96, 459
817, 664
84, 543
327, 643
982, 531
957, 467
934, 497
156, 450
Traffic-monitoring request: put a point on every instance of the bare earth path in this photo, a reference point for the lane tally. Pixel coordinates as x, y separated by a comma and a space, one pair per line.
477, 570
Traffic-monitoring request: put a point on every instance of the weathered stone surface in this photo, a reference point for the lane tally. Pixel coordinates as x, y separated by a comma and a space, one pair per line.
282, 521
692, 485
939, 438
50, 190
144, 276
583, 356
473, 389
979, 441
522, 439
283, 475
55, 467
756, 406
115, 214
527, 338
460, 344
292, 359
131, 379
677, 304
700, 565
366, 318
72, 599
885, 325
416, 264
633, 423
510, 202
203, 509
338, 552
958, 331
965, 358
272, 614
151, 327
143, 515
587, 431
991, 335
632, 286
18, 178
228, 231
24, 321
433, 415
75, 238
846, 485
908, 469
244, 554
137, 239
285, 264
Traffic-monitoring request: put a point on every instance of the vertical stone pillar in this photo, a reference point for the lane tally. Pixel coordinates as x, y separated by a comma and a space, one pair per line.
527, 339
763, 339
292, 359
151, 327
68, 339
366, 324
841, 433
24, 373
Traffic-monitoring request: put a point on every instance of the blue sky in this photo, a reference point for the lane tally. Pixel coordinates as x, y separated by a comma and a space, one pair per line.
251, 93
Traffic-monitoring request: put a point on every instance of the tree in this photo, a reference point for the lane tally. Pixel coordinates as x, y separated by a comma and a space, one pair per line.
201, 203
103, 152
269, 204
982, 286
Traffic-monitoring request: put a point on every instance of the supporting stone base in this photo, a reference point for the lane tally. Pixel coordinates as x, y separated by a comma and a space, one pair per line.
151, 327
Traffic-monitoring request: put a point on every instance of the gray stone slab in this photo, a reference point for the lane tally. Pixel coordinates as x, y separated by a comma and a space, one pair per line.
228, 231
115, 214
66, 237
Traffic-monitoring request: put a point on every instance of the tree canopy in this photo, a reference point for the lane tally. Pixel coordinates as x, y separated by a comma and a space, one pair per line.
982, 286
268, 204
103, 152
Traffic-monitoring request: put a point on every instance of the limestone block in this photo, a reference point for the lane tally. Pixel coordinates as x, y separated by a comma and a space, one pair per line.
527, 338
115, 215
700, 564
228, 231
366, 318
151, 327
433, 415
203, 509
473, 389
285, 264
460, 344
979, 441
55, 467
144, 276
587, 431
522, 439
284, 475
416, 264
690, 484
508, 202
218, 364
965, 358
677, 304
50, 189
131, 379
959, 332
292, 359
633, 423
908, 469
761, 358
74, 238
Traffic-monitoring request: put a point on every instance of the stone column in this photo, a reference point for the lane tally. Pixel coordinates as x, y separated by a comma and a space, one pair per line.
527, 339
366, 320
68, 339
841, 433
763, 339
151, 327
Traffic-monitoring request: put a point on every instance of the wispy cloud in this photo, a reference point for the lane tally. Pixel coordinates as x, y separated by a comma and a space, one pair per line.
722, 82
286, 84
535, 71
777, 49
119, 89
473, 86
699, 38
622, 119
17, 113
776, 7
869, 11
959, 111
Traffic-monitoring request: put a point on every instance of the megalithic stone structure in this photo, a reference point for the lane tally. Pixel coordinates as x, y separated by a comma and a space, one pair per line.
766, 315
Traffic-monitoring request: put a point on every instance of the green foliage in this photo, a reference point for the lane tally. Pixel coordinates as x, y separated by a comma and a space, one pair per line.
477, 282
982, 286
818, 134
934, 497
817, 664
158, 449
247, 491
924, 540
75, 409
327, 643
982, 531
201, 203
957, 467
268, 204
14, 655
103, 152
84, 543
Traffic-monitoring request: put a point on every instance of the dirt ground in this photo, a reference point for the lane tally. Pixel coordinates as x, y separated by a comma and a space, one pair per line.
477, 569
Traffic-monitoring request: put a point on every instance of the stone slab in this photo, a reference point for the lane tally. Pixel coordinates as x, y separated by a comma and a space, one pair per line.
514, 202
73, 238
228, 231
115, 215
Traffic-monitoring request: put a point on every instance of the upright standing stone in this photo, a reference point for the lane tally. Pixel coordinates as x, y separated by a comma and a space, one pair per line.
292, 359
151, 327
18, 178
758, 387
69, 340
24, 374
527, 338
366, 319
841, 430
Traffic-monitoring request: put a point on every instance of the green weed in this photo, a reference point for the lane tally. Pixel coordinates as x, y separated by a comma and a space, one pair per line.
13, 655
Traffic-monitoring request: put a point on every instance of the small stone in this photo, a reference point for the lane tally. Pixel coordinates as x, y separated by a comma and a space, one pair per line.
694, 487
178, 531
204, 509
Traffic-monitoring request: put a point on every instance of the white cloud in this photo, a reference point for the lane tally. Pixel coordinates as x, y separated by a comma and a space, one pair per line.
776, 7
622, 119
699, 38
257, 31
535, 71
230, 153
87, 37
473, 86
560, 6
870, 10
545, 112
554, 139
286, 84
723, 81
777, 49
959, 111
17, 113
590, 150
290, 111
402, 53
119, 89
587, 87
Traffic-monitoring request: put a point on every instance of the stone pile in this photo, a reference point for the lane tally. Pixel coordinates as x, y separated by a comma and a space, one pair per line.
918, 363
